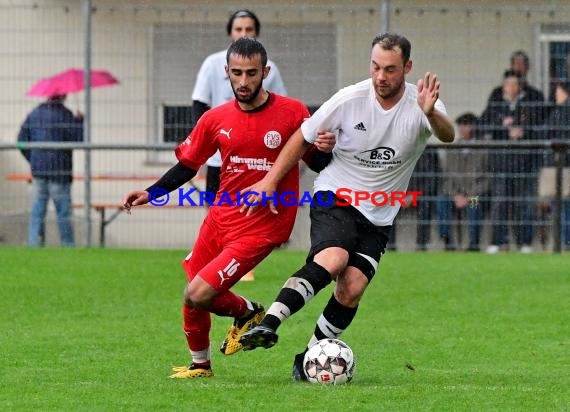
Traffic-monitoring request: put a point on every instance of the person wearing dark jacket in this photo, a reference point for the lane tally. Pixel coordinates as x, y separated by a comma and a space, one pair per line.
513, 118
520, 64
51, 169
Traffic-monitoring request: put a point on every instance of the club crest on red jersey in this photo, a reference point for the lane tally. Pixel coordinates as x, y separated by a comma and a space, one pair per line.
272, 139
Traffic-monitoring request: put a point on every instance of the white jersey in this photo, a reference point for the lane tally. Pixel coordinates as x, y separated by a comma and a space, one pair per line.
213, 87
376, 149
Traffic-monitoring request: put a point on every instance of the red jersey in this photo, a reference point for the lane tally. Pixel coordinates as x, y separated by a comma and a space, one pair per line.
249, 142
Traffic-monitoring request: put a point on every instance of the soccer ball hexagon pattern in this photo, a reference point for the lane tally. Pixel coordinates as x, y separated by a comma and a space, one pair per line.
329, 361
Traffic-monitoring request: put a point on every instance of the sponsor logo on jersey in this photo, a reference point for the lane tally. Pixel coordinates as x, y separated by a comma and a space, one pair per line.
382, 157
252, 163
272, 139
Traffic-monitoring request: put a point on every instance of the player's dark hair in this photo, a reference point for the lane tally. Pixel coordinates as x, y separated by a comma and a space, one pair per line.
244, 13
389, 41
247, 47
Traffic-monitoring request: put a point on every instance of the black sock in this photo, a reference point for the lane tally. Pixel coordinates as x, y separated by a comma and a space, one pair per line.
298, 290
334, 320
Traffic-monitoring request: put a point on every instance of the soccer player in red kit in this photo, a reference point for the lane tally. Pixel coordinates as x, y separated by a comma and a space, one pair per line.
249, 132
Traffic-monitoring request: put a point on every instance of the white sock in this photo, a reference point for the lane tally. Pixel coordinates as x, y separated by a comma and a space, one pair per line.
201, 356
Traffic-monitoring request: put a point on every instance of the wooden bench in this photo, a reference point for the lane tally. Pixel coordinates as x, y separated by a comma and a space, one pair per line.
117, 209
102, 208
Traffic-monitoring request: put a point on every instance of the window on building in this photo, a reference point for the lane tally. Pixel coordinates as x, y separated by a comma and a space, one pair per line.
554, 53
178, 50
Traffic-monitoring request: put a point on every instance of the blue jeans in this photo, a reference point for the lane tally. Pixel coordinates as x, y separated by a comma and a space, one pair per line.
60, 193
446, 209
565, 238
512, 206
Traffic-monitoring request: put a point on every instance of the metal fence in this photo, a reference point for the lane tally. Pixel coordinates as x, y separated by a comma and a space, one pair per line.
155, 50
542, 204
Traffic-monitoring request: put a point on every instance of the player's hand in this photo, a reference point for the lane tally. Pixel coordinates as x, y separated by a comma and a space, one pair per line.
325, 141
428, 93
135, 198
260, 195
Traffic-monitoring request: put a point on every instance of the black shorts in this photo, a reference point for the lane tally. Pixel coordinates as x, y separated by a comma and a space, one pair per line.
347, 228
213, 179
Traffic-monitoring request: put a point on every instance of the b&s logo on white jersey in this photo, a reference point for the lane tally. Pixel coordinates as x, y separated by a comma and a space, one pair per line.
378, 158
272, 139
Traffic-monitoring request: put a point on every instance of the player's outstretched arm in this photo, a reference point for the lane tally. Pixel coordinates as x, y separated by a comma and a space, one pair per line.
428, 93
171, 180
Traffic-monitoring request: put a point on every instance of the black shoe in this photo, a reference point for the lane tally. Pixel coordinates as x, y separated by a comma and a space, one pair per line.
473, 248
259, 337
298, 370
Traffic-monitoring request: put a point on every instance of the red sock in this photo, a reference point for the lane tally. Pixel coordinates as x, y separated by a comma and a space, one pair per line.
229, 304
197, 324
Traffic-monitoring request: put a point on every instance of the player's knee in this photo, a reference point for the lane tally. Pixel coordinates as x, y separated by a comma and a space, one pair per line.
350, 287
333, 259
347, 299
348, 296
195, 299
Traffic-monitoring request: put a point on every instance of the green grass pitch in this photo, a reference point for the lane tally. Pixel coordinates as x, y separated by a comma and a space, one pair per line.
98, 330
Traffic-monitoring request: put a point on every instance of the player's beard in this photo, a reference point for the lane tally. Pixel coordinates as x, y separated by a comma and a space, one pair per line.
251, 97
391, 92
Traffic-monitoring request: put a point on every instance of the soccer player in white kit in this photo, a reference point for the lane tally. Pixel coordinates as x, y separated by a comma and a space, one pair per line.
213, 86
383, 125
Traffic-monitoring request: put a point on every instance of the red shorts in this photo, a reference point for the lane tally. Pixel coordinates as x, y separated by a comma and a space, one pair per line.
221, 259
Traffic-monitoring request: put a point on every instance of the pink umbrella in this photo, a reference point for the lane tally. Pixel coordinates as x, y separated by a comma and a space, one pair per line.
70, 81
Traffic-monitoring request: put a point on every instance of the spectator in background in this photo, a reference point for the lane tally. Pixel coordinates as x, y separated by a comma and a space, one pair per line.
520, 64
557, 127
213, 87
426, 178
465, 185
52, 170
514, 117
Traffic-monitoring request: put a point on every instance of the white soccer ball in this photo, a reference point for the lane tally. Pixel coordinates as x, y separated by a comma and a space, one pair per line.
329, 361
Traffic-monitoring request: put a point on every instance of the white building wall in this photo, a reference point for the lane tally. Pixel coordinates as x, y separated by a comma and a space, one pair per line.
466, 43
